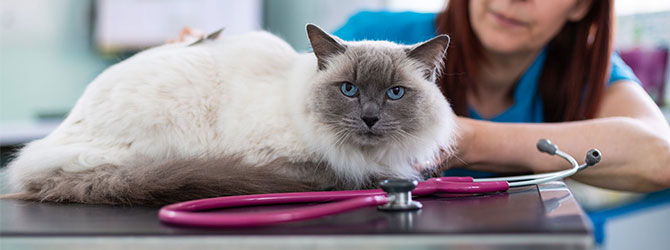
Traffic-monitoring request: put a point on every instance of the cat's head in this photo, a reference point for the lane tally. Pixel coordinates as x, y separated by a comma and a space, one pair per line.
372, 93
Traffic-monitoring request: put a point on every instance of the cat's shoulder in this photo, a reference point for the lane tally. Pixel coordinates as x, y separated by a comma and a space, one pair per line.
257, 39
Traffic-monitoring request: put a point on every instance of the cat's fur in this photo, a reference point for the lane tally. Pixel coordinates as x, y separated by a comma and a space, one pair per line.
239, 115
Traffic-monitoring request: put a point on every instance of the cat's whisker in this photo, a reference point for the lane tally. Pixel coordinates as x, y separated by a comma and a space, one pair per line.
461, 160
346, 137
410, 135
339, 138
397, 139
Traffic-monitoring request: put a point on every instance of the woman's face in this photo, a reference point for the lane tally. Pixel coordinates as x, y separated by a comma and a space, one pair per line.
512, 26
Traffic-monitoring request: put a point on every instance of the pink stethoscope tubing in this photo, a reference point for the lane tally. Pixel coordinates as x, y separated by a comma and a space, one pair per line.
186, 213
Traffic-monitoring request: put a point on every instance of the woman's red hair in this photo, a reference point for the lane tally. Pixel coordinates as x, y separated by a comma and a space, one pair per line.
573, 79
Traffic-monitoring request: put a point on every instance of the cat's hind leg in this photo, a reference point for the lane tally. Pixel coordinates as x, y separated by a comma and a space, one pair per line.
38, 160
67, 173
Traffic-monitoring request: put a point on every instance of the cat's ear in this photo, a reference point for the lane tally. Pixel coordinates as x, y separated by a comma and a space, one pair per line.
323, 44
430, 53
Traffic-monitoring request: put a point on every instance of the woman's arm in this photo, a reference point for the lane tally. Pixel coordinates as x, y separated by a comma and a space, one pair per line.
629, 130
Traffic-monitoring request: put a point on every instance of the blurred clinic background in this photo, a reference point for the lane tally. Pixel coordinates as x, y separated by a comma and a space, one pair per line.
51, 49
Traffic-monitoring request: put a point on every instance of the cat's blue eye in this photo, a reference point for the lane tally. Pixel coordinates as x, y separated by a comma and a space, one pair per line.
395, 93
349, 89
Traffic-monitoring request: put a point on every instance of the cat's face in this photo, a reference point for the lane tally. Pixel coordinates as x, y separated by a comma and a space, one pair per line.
375, 93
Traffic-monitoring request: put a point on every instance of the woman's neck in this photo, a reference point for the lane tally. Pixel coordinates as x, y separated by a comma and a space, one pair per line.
496, 82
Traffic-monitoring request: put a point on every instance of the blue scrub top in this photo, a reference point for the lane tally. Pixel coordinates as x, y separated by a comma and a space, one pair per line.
411, 28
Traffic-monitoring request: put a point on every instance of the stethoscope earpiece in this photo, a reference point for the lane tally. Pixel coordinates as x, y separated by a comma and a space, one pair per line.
545, 145
593, 157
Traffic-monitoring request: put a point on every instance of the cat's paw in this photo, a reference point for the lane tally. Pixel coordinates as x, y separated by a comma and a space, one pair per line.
436, 163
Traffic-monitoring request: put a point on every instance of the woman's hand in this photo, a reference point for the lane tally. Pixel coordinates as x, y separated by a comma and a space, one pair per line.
629, 130
187, 34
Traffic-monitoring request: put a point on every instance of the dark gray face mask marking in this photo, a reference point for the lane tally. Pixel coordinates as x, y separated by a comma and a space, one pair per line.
391, 81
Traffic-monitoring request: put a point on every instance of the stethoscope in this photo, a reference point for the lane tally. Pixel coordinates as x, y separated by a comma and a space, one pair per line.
394, 195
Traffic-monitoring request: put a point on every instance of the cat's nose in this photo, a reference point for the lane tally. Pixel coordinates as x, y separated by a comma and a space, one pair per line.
370, 120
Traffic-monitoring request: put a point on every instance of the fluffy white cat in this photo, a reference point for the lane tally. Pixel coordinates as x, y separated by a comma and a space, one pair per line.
244, 114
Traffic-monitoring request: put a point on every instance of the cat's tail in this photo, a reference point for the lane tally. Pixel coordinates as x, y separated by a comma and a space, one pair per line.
160, 183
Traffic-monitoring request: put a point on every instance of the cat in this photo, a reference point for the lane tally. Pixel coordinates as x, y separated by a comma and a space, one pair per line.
245, 114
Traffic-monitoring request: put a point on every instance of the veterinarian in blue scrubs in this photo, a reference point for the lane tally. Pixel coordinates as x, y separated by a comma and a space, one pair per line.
517, 71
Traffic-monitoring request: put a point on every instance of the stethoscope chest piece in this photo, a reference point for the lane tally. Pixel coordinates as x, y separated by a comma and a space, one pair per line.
399, 193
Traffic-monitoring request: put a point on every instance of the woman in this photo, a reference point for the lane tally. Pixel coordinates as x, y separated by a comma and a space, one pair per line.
547, 69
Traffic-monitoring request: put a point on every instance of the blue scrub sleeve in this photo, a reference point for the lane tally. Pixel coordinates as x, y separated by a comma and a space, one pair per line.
348, 30
360, 26
619, 70
399, 27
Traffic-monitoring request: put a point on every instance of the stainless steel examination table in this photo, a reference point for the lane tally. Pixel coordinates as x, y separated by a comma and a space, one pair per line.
535, 217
